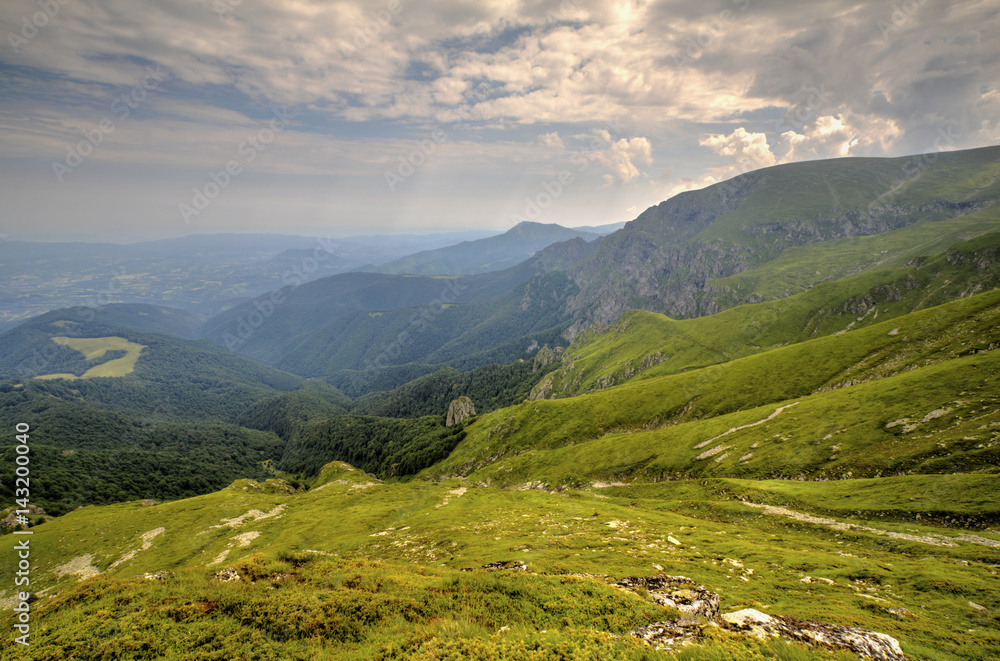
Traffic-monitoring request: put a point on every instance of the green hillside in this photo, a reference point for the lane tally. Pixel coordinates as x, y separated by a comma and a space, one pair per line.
934, 369
799, 268
643, 344
288, 413
670, 258
813, 433
382, 577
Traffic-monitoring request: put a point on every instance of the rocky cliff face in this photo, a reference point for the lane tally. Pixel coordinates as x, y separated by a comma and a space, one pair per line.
459, 410
664, 260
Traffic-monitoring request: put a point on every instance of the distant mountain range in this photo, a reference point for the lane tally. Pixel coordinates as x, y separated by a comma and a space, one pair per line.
794, 371
490, 254
776, 257
201, 273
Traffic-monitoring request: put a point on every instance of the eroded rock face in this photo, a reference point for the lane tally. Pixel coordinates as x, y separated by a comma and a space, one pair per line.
228, 574
11, 520
683, 594
878, 646
678, 592
506, 565
459, 410
670, 634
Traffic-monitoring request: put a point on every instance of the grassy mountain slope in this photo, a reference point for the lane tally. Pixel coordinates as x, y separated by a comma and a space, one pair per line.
643, 344
801, 267
380, 579
664, 260
935, 369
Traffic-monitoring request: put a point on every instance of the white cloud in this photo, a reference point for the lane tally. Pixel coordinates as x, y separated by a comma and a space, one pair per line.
741, 146
621, 156
552, 141
522, 85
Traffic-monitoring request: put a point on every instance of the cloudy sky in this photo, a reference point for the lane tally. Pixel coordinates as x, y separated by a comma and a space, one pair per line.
123, 120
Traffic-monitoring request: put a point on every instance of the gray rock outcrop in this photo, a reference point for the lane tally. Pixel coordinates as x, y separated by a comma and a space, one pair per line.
677, 592
878, 646
701, 609
459, 410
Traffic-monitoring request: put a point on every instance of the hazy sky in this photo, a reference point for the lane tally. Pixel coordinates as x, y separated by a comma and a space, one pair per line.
119, 119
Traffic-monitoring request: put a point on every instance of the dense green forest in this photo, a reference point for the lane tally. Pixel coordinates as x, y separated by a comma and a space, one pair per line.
174, 377
490, 387
288, 413
83, 455
386, 447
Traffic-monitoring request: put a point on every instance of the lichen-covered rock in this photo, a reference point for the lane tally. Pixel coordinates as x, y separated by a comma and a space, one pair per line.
11, 520
670, 634
546, 356
878, 646
228, 574
506, 565
459, 410
677, 592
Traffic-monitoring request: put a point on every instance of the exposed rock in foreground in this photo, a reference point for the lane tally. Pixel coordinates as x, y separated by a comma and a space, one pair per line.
227, 575
671, 634
873, 645
683, 594
506, 565
677, 592
459, 410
